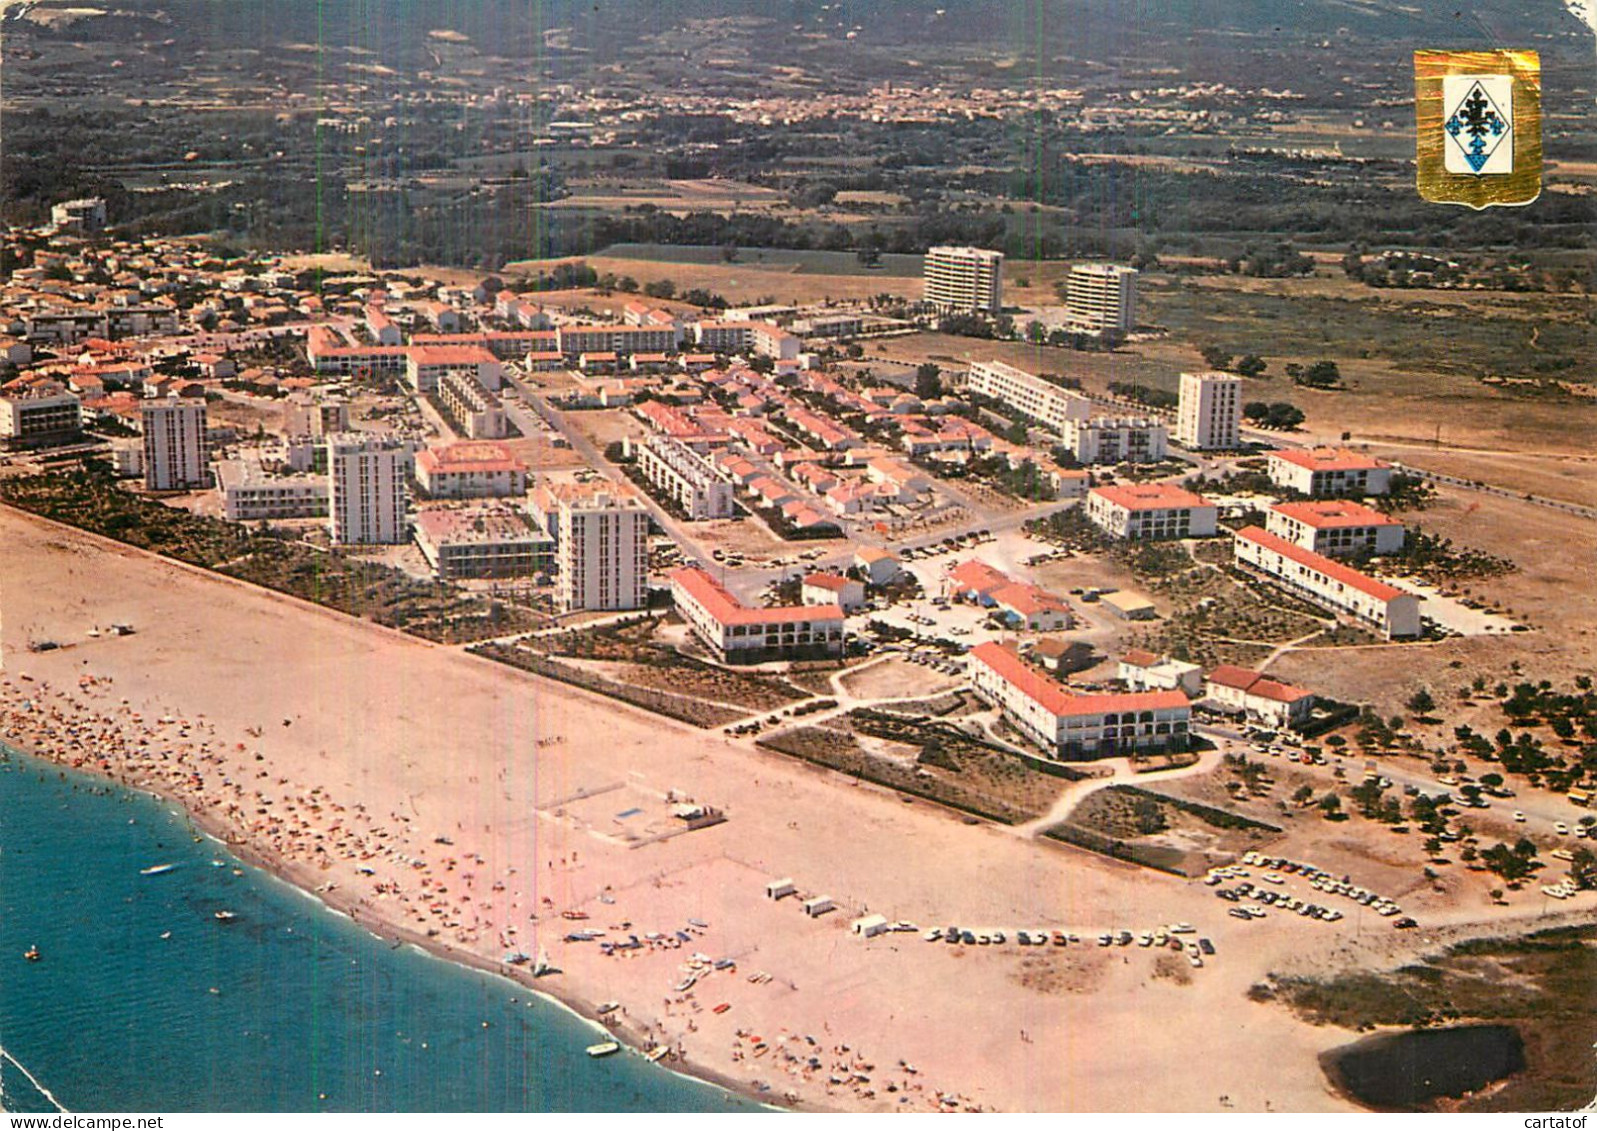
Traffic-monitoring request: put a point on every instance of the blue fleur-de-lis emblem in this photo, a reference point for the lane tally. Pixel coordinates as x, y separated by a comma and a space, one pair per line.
1476, 126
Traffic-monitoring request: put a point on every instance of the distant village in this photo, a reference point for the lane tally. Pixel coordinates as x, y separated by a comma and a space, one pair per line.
390, 411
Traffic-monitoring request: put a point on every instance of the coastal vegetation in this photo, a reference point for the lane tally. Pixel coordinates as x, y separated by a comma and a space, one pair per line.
90, 499
1539, 983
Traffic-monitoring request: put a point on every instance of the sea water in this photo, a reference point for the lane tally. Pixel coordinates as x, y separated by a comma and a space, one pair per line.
289, 1007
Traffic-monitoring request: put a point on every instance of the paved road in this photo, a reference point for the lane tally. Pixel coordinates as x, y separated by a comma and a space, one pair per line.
591, 454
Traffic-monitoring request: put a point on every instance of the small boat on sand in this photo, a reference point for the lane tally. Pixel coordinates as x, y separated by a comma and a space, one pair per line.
604, 1048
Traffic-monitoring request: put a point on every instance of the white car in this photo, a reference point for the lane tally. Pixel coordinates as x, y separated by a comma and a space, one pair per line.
1518, 816
1560, 828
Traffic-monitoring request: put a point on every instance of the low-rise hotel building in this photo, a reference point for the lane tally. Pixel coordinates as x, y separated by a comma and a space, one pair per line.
426, 366
251, 494
1258, 697
1335, 527
741, 635
482, 542
471, 469
44, 413
1140, 512
1319, 472
1071, 726
1329, 583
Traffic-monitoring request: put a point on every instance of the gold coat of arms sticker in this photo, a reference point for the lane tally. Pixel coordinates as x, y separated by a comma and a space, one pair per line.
1478, 119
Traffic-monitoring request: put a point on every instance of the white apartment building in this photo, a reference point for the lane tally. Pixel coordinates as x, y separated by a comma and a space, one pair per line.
1329, 583
1141, 670
964, 278
1041, 400
1335, 527
426, 366
1117, 439
251, 494
1141, 512
39, 414
774, 342
1101, 296
367, 495
683, 475
305, 415
741, 635
576, 340
83, 215
475, 411
1209, 414
602, 549
470, 469
176, 455
1070, 726
1319, 472
724, 337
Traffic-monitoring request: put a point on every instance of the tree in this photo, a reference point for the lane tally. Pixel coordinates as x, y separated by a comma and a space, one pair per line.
1283, 415
1320, 375
1583, 868
1216, 358
1256, 411
1304, 795
660, 288
1331, 806
1036, 333
1421, 702
928, 381
1251, 365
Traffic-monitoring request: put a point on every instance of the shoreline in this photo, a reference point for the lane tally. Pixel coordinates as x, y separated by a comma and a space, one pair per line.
470, 809
629, 1035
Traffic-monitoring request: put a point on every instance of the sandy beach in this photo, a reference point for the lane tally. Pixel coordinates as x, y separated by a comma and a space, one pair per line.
486, 813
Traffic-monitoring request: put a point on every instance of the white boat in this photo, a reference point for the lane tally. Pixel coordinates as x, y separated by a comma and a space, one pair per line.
604, 1048
226, 916
156, 870
543, 965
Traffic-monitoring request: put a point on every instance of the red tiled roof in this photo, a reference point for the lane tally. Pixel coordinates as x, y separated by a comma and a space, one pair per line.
1328, 459
1256, 683
1331, 514
1380, 590
975, 574
727, 609
1139, 658
1056, 698
449, 355
1150, 496
1229, 675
